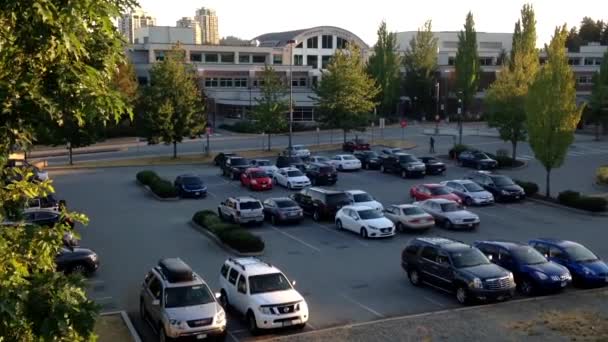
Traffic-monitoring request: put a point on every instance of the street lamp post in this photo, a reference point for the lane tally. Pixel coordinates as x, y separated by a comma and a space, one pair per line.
291, 43
460, 117
437, 107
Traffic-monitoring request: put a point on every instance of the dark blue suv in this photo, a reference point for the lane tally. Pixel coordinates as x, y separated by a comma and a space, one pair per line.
533, 272
586, 268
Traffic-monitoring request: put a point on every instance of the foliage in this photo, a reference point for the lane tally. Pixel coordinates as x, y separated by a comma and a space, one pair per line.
576, 200
602, 175
172, 106
230, 234
506, 97
271, 106
590, 30
467, 64
530, 188
345, 95
124, 80
420, 62
160, 186
551, 111
146, 177
383, 66
599, 97
574, 41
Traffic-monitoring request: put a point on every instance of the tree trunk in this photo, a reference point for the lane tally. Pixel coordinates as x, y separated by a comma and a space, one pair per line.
70, 154
514, 144
548, 184
344, 131
597, 130
269, 142
175, 150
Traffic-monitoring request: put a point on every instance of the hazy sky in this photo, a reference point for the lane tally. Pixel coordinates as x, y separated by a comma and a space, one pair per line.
250, 18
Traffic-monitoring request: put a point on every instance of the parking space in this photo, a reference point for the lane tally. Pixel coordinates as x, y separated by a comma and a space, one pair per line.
344, 278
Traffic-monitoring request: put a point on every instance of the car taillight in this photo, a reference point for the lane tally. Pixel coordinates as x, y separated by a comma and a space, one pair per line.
415, 221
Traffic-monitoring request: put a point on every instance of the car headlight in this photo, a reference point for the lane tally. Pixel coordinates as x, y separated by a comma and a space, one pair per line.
511, 277
178, 324
476, 284
93, 256
265, 310
541, 276
504, 192
254, 182
220, 317
373, 228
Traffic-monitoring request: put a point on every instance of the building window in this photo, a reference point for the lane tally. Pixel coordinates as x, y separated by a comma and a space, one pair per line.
211, 58
211, 82
298, 60
486, 61
299, 82
259, 59
327, 42
227, 58
451, 60
542, 61
585, 79
258, 83
300, 45
196, 57
574, 61
277, 59
325, 60
226, 82
341, 43
314, 81
593, 61
160, 55
303, 114
244, 59
312, 43
312, 61
240, 82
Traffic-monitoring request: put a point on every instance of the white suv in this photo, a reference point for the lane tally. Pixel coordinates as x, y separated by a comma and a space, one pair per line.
241, 210
261, 293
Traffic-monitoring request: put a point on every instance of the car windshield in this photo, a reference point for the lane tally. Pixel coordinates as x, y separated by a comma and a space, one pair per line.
468, 258
528, 256
502, 181
370, 214
480, 155
371, 154
239, 161
580, 254
439, 190
286, 204
449, 207
250, 205
407, 159
177, 297
326, 169
413, 211
294, 173
334, 199
298, 147
192, 181
473, 187
259, 174
348, 158
262, 163
322, 159
268, 283
362, 198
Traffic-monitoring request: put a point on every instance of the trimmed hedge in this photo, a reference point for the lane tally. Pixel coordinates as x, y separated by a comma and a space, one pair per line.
146, 177
161, 187
576, 200
530, 188
602, 175
230, 234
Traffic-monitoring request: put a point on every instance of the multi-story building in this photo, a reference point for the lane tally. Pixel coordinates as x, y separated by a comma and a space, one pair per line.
189, 22
167, 35
208, 21
130, 22
230, 75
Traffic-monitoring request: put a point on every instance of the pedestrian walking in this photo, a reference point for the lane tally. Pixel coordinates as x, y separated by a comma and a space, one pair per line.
432, 145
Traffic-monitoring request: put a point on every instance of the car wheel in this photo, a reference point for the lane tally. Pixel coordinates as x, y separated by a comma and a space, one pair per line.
219, 213
340, 168
526, 287
447, 224
462, 296
403, 174
366, 166
468, 201
79, 269
224, 300
316, 216
289, 186
142, 310
364, 233
414, 277
273, 220
400, 227
339, 225
252, 324
313, 181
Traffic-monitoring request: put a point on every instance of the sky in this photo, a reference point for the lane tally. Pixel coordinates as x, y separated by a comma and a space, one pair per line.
247, 18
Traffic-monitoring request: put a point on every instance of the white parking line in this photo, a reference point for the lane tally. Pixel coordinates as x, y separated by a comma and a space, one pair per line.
374, 312
337, 232
296, 239
232, 336
434, 302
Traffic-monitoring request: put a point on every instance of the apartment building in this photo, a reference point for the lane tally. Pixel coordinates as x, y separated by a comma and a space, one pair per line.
129, 23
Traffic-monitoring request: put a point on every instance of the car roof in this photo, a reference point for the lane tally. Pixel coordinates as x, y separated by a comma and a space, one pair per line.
289, 168
261, 160
179, 271
461, 181
355, 192
439, 200
254, 169
509, 245
252, 266
40, 210
557, 242
279, 199
433, 185
319, 157
325, 191
444, 243
319, 164
245, 199
343, 155
358, 207
400, 154
404, 206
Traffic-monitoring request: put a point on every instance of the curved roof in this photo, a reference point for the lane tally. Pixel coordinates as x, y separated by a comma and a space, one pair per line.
280, 39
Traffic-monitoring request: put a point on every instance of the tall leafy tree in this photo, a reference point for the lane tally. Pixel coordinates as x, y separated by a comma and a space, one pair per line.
590, 30
49, 49
604, 37
271, 106
345, 96
384, 66
467, 63
551, 111
505, 99
573, 41
173, 105
599, 97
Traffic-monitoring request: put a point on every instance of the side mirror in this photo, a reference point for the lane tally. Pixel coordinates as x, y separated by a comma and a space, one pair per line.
490, 257
546, 256
293, 283
218, 295
156, 302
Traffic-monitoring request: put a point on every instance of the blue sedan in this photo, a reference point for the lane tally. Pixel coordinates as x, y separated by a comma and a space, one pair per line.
586, 268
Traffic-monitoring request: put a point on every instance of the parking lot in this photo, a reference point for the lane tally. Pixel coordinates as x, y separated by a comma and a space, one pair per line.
344, 278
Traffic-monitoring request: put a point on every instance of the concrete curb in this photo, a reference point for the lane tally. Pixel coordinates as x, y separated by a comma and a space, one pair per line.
61, 153
219, 242
127, 321
147, 188
563, 207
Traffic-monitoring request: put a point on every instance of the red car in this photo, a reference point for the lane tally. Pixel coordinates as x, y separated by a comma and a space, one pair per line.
423, 192
256, 179
355, 145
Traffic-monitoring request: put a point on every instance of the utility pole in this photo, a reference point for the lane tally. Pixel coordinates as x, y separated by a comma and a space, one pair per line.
460, 117
291, 43
437, 107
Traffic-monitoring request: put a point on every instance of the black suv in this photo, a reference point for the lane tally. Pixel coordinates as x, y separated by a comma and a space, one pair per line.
502, 187
456, 267
297, 162
369, 159
234, 166
221, 157
321, 174
404, 164
433, 166
321, 203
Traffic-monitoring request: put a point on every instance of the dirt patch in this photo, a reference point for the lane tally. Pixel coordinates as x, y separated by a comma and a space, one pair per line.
577, 325
111, 328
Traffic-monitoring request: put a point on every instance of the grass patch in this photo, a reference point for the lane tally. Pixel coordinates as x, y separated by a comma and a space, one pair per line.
111, 328
578, 325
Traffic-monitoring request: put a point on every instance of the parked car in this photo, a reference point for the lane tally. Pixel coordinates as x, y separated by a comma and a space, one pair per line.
586, 268
423, 192
221, 157
234, 166
45, 217
391, 151
189, 185
345, 162
355, 145
262, 294
265, 165
366, 221
370, 160
533, 272
470, 192
291, 178
433, 166
318, 160
49, 202
321, 174
362, 198
456, 267
297, 151
321, 203
283, 209
297, 162
241, 210
256, 179
449, 214
77, 260
177, 303
409, 217
39, 175
476, 159
501, 187
403, 164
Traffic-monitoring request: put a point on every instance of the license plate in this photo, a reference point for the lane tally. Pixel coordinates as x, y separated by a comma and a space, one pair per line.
470, 225
517, 197
201, 336
564, 283
287, 323
197, 193
263, 185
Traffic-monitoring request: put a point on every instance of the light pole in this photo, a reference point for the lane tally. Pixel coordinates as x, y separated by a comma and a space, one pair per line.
437, 107
460, 117
291, 43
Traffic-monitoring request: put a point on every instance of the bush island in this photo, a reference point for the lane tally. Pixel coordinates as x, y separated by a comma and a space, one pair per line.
146, 177
230, 234
576, 200
602, 175
161, 187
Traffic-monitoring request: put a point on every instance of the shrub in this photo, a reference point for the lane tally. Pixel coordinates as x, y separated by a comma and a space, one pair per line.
146, 177
163, 188
457, 150
240, 127
576, 200
502, 153
241, 240
201, 217
530, 188
602, 175
568, 197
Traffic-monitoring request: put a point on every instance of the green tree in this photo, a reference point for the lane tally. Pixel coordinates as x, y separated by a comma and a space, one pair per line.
172, 104
551, 111
573, 41
49, 49
505, 99
467, 63
599, 98
420, 63
383, 66
590, 30
271, 106
345, 96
